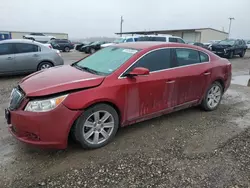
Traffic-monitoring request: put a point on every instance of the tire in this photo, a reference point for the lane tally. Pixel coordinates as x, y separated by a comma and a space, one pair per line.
242, 54
92, 135
66, 49
92, 50
44, 65
214, 93
230, 55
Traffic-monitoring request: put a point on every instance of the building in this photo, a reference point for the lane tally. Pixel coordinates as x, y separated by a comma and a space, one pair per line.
19, 34
189, 35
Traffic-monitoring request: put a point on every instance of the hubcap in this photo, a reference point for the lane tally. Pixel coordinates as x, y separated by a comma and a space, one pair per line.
214, 96
67, 49
45, 66
98, 127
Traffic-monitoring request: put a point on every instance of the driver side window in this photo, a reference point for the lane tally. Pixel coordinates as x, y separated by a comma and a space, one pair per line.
154, 61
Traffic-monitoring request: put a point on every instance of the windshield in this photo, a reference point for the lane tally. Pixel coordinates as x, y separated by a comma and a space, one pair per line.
107, 60
227, 42
121, 40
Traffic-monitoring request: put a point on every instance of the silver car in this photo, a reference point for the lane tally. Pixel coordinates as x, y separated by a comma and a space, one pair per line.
19, 56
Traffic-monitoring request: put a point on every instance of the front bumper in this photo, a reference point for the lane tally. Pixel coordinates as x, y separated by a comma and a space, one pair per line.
221, 53
43, 129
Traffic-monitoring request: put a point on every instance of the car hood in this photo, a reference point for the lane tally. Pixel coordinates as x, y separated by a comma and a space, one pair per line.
58, 79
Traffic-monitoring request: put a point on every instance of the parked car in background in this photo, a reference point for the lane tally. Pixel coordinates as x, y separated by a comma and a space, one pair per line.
161, 38
62, 44
79, 46
199, 44
229, 47
146, 38
92, 48
114, 87
39, 37
247, 43
21, 56
122, 40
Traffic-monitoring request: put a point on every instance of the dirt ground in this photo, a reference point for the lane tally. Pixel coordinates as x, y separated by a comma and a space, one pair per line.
190, 148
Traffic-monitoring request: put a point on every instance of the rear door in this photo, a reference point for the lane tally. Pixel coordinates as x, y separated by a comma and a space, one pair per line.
151, 93
193, 74
7, 58
27, 57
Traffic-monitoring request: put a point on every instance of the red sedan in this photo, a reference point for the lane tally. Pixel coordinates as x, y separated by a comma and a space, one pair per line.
115, 87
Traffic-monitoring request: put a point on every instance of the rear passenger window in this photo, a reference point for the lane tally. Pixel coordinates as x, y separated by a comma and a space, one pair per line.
204, 57
130, 40
180, 40
160, 39
26, 48
154, 61
187, 57
172, 39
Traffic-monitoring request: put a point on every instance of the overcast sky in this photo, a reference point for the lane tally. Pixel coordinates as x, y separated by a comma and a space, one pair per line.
82, 18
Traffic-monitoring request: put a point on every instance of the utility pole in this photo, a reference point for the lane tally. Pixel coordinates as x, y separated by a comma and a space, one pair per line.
121, 26
230, 23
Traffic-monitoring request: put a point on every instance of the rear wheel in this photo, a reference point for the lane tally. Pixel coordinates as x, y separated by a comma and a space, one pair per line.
242, 54
212, 97
66, 49
97, 126
44, 65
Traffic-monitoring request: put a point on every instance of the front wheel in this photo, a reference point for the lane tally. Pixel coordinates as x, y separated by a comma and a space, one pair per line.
231, 54
212, 97
92, 50
97, 126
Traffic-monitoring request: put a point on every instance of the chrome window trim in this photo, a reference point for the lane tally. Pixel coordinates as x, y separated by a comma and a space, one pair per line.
121, 77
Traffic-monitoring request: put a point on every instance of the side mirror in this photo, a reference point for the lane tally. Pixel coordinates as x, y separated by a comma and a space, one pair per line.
138, 71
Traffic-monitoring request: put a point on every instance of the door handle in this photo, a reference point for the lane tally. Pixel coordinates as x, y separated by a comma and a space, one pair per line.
170, 81
207, 73
9, 58
35, 55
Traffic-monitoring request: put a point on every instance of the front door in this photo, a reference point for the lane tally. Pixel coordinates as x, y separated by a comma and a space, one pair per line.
193, 72
27, 57
149, 94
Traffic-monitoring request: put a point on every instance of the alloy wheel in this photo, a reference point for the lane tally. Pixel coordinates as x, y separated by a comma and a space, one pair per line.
214, 96
45, 66
98, 127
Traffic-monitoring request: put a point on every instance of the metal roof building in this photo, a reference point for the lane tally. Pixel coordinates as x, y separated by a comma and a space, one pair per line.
189, 35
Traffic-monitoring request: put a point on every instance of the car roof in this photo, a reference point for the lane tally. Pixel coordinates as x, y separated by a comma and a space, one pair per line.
20, 41
145, 45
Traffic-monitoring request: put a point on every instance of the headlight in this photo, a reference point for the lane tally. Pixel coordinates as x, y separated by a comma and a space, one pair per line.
44, 105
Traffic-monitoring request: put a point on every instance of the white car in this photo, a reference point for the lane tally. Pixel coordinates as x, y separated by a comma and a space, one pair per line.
40, 37
248, 44
121, 40
144, 38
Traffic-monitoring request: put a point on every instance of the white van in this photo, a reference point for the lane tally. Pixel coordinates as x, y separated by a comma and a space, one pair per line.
161, 38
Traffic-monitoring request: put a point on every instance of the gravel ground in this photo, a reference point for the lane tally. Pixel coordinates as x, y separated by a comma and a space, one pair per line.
190, 148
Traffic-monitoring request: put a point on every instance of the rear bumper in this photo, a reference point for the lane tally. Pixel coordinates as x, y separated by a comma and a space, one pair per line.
46, 129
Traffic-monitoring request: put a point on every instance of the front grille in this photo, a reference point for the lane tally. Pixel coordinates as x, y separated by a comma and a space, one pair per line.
16, 98
218, 49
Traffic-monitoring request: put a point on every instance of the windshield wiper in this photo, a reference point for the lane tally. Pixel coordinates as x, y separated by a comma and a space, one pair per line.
89, 70
85, 69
